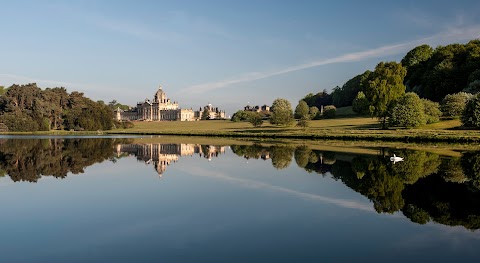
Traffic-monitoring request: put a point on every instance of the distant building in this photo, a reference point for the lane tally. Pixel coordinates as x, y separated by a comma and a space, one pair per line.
161, 108
257, 108
213, 113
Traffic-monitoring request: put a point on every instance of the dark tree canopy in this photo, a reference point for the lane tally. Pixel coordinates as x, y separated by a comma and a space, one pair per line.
416, 56
344, 96
29, 108
446, 71
319, 99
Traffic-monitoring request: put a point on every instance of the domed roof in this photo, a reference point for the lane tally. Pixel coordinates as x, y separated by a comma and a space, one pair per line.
160, 95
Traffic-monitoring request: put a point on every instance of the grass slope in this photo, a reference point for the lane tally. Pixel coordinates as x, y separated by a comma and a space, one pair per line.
352, 128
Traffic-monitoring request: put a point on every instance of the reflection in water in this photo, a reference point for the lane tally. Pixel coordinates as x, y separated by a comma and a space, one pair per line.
29, 160
161, 155
424, 187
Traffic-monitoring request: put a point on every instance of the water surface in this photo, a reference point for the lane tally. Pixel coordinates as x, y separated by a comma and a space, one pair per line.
119, 199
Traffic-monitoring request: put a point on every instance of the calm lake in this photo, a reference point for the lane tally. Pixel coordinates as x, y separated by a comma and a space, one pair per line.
139, 200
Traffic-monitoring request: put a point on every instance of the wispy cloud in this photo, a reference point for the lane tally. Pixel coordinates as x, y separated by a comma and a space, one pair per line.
453, 34
260, 185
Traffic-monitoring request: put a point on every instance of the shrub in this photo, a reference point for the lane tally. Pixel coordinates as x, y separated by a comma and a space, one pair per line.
127, 125
432, 111
453, 104
303, 122
329, 112
471, 114
242, 115
313, 112
256, 119
408, 112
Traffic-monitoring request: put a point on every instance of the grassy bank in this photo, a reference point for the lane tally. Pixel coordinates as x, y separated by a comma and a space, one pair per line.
353, 128
344, 128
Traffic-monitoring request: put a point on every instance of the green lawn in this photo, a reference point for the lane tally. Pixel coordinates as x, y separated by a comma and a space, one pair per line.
229, 126
347, 128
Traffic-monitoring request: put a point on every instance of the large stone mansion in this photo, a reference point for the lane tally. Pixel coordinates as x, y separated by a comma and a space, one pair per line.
161, 108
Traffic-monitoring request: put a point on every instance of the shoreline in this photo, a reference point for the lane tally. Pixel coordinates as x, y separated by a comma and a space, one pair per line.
423, 136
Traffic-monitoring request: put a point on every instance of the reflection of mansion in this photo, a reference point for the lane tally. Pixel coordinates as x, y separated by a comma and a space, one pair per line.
162, 155
162, 109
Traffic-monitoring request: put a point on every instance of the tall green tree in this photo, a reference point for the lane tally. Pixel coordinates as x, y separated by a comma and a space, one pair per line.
282, 113
302, 109
384, 87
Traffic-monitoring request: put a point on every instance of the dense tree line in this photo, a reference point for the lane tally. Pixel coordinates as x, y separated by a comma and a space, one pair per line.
29, 108
431, 73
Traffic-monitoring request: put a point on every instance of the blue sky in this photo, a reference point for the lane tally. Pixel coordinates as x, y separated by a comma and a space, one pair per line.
228, 53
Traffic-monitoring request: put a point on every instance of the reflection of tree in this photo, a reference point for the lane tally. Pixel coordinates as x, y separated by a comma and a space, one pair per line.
328, 157
383, 182
320, 162
302, 155
28, 160
471, 167
452, 170
373, 178
412, 188
254, 151
416, 215
443, 202
281, 156
424, 187
416, 165
313, 158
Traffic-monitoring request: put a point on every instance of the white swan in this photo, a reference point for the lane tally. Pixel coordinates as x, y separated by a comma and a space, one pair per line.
395, 159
